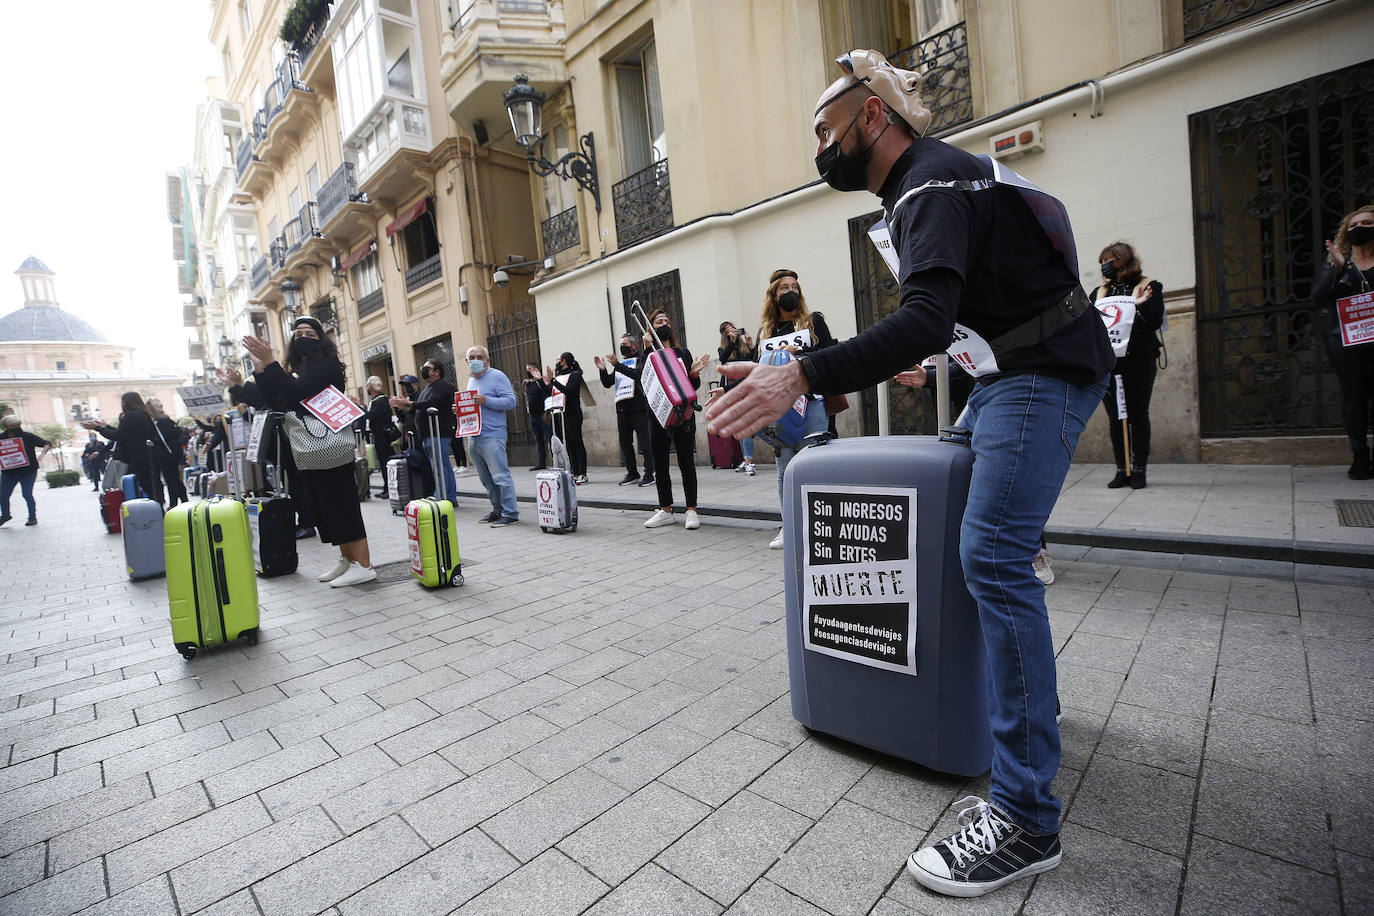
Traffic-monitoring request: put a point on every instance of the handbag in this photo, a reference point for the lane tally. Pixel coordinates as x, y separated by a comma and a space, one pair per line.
315, 446
836, 403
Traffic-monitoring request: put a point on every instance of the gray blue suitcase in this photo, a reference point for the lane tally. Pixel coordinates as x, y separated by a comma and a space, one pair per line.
883, 643
141, 527
555, 495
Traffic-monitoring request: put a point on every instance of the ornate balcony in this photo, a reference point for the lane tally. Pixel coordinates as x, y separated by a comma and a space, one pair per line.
244, 156
305, 243
492, 41
190, 315
370, 304
560, 231
312, 41
1202, 16
262, 273
344, 210
394, 136
287, 104
946, 90
424, 273
643, 205
276, 253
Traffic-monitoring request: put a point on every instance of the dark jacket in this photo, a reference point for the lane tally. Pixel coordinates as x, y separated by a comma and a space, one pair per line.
1149, 316
131, 438
572, 390
31, 443
1333, 284
379, 418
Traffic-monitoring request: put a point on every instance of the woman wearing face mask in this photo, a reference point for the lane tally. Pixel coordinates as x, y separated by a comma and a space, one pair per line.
312, 365
566, 378
682, 437
1349, 271
1122, 276
737, 346
785, 315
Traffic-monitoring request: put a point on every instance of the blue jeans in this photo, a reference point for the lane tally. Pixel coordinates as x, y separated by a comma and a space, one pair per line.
816, 421
488, 454
541, 432
1025, 430
746, 446
25, 482
438, 450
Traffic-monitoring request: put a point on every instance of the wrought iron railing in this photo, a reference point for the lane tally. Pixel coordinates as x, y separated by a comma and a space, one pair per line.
370, 303
340, 189
276, 252
259, 126
304, 227
261, 273
313, 32
643, 204
1200, 16
945, 87
244, 156
522, 6
427, 271
561, 231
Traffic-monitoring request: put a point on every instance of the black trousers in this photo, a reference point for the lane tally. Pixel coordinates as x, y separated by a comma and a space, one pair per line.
172, 482
460, 452
1355, 371
1137, 373
683, 439
632, 423
572, 438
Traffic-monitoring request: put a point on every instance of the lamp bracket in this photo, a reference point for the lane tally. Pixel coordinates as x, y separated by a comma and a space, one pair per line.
578, 166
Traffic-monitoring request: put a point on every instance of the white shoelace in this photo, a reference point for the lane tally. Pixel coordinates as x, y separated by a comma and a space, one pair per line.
980, 829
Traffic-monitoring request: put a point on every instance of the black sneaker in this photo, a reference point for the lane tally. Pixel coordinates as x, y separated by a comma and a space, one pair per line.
646, 480
489, 517
629, 478
5, 518
987, 852
539, 467
303, 532
31, 522
503, 521
1121, 479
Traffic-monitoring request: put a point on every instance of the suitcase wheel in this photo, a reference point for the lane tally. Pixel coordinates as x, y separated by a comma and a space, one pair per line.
251, 636
187, 650
544, 528
457, 579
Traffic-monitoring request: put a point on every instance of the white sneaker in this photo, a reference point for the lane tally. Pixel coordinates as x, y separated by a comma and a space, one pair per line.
333, 572
776, 543
659, 519
692, 523
749, 469
357, 574
743, 466
1043, 570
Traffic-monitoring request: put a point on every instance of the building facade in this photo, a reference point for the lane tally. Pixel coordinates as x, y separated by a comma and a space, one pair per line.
1224, 140
55, 367
374, 211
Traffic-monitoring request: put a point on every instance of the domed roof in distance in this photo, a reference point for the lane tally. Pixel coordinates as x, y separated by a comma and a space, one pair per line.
32, 263
47, 322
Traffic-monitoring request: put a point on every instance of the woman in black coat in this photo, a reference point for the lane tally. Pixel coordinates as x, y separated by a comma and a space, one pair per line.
132, 435
168, 453
312, 365
570, 387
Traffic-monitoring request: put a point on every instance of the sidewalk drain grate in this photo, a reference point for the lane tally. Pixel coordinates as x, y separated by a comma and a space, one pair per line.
1356, 513
399, 571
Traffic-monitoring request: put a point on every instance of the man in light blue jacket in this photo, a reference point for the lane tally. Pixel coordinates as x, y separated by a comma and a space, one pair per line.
496, 398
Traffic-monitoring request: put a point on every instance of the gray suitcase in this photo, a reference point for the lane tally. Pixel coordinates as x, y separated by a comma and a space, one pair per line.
871, 535
555, 493
141, 525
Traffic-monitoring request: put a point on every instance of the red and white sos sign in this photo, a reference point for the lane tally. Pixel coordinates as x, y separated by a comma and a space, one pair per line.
545, 492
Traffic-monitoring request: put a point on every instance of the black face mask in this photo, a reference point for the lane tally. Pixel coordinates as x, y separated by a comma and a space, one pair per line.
1109, 269
626, 351
846, 172
305, 348
1359, 235
789, 301
665, 333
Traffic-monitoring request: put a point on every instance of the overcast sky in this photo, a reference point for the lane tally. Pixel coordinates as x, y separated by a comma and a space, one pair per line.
102, 99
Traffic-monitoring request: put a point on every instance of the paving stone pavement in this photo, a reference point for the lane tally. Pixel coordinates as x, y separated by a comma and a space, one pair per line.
600, 723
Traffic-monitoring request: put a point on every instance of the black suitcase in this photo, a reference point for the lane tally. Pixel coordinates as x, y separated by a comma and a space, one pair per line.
404, 480
272, 522
362, 473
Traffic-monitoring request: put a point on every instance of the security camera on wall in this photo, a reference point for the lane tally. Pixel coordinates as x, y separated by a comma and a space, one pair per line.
500, 278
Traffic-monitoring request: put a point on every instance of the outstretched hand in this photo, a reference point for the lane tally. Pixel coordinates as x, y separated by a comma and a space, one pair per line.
911, 378
764, 395
1334, 253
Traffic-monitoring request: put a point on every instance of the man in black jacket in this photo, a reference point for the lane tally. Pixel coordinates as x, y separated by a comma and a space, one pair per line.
438, 394
987, 269
631, 410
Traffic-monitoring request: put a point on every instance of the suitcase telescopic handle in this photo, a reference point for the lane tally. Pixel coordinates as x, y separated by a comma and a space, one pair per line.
229, 469
278, 434
637, 312
434, 459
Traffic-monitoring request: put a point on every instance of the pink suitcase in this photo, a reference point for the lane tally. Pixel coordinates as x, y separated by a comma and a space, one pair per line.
666, 386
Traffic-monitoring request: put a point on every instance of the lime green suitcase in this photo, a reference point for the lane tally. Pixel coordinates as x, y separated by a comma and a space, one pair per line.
432, 530
211, 586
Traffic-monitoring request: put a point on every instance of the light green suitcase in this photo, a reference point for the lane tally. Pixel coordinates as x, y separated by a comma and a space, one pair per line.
211, 587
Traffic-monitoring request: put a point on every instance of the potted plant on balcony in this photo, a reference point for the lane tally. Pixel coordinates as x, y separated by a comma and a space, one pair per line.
299, 18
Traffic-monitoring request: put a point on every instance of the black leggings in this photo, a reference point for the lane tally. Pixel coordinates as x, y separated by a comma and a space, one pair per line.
632, 423
1355, 371
684, 439
572, 438
172, 482
1137, 373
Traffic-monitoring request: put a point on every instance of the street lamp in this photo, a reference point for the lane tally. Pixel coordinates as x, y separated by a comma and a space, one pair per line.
291, 296
524, 104
226, 348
